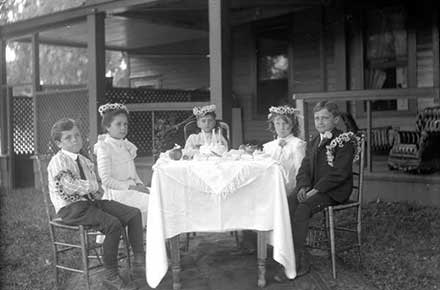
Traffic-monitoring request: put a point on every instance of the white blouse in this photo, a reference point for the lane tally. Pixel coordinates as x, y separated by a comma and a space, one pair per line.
290, 156
115, 158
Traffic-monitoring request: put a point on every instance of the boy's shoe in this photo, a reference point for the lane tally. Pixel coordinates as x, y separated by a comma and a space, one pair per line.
280, 276
303, 264
138, 270
118, 284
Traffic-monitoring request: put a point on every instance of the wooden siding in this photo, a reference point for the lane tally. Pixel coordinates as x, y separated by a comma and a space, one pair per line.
175, 73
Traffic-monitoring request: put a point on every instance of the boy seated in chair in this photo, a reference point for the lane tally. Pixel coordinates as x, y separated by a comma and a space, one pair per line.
75, 194
325, 177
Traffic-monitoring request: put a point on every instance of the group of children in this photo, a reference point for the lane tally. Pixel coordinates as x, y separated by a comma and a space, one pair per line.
313, 181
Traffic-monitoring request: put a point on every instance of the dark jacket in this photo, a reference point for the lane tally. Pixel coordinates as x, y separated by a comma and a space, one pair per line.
315, 172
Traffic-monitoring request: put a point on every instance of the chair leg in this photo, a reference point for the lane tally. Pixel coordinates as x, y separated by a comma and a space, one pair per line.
84, 254
359, 236
188, 235
326, 229
332, 240
237, 238
55, 254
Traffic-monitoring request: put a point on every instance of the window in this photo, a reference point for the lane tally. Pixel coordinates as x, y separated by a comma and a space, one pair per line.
386, 54
272, 65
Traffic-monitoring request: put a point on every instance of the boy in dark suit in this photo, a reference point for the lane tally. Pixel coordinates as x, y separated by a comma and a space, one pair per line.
325, 178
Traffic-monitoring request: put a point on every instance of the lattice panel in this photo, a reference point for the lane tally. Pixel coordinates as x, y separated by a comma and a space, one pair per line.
23, 125
52, 106
140, 132
140, 95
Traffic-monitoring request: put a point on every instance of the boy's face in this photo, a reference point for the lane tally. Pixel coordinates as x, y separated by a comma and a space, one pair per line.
206, 123
325, 121
118, 127
70, 140
282, 128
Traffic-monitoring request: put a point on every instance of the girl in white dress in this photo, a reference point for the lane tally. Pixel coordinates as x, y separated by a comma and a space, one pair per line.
208, 135
115, 158
286, 148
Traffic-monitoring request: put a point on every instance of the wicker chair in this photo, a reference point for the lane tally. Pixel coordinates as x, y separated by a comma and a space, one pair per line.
417, 151
58, 230
326, 231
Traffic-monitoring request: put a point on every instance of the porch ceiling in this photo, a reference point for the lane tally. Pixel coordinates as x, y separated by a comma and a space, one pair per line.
122, 33
163, 22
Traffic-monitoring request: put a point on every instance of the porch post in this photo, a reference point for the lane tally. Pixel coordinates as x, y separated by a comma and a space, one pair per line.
436, 55
3, 94
96, 71
4, 158
35, 85
220, 58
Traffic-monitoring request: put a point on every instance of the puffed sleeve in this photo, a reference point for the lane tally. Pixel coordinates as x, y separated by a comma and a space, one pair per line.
104, 160
190, 143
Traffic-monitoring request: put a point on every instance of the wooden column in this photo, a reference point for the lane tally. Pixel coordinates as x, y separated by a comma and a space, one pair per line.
340, 51
220, 58
3, 95
412, 55
369, 125
5, 170
357, 81
96, 72
35, 84
436, 56
322, 56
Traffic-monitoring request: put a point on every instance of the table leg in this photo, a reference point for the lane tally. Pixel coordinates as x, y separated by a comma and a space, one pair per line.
261, 259
175, 261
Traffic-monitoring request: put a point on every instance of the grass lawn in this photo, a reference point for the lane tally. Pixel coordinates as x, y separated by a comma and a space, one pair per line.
401, 244
26, 255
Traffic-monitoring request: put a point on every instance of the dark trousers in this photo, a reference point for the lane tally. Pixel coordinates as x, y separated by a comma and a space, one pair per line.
110, 218
300, 214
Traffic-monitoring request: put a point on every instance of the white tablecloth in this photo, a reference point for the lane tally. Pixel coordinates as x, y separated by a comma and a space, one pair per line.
216, 196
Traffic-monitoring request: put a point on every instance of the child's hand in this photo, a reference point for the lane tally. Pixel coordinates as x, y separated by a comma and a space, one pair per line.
99, 193
302, 195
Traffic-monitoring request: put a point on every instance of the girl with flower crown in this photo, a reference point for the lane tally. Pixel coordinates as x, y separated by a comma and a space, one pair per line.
115, 160
286, 148
208, 135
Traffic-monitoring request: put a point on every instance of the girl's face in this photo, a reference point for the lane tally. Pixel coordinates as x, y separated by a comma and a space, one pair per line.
118, 128
282, 128
206, 123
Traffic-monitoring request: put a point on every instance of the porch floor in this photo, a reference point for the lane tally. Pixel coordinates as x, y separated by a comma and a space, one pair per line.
214, 262
382, 172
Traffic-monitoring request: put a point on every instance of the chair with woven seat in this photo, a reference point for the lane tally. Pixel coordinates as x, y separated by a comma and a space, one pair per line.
89, 249
417, 151
329, 227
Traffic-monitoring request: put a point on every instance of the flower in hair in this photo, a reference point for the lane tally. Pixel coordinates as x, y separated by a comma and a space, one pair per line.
111, 107
282, 110
202, 111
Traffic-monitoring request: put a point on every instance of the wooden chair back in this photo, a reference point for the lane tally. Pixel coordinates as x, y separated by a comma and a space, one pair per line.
191, 128
358, 173
42, 160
